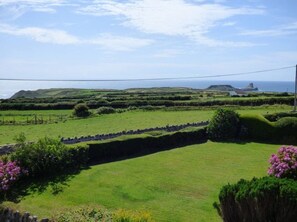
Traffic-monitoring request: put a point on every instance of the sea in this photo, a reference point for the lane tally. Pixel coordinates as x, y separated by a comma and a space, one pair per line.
9, 88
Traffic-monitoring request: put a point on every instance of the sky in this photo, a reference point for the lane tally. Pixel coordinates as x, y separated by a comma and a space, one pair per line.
110, 39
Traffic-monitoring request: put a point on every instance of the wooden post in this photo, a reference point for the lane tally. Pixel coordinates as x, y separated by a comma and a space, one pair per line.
295, 100
35, 119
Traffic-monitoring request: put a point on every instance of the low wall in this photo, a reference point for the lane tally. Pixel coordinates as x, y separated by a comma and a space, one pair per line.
168, 128
9, 215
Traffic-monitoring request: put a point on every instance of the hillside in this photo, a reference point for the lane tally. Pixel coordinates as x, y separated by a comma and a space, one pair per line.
58, 93
72, 92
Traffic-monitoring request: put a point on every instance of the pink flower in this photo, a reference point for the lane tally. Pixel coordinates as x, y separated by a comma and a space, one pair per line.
9, 172
284, 163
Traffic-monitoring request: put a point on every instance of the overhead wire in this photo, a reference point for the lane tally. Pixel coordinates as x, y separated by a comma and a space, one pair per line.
146, 79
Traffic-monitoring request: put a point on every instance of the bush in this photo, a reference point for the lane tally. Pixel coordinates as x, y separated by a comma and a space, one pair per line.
131, 216
265, 199
45, 157
224, 125
276, 116
284, 163
105, 110
85, 214
81, 110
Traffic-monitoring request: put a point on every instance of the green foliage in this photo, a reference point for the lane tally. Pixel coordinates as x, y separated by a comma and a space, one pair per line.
287, 123
97, 214
105, 110
265, 199
276, 116
81, 110
224, 125
131, 216
84, 214
112, 150
46, 157
260, 129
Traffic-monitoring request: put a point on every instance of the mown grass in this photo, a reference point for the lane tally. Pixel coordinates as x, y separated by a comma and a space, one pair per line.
175, 185
111, 123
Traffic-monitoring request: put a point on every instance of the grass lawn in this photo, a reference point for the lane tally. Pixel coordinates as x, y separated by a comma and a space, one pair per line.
111, 123
175, 185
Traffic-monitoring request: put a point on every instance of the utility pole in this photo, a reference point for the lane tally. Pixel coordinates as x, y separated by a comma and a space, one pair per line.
295, 100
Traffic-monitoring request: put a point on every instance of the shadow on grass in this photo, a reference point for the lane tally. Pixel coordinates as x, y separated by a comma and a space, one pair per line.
28, 185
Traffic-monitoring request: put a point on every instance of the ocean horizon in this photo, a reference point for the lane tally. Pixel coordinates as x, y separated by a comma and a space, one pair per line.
9, 88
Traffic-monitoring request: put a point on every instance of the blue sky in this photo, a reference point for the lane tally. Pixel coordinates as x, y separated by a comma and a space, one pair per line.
109, 39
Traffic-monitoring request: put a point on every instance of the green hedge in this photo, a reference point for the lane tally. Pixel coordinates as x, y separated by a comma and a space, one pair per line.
265, 199
112, 150
69, 103
276, 116
257, 128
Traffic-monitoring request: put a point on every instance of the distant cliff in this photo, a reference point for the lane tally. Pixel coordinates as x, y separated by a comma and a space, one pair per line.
250, 87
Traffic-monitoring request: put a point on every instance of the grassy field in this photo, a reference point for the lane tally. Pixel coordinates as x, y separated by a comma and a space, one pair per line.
175, 185
110, 123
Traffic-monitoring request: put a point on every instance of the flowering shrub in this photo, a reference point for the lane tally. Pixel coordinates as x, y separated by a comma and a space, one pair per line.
9, 172
284, 163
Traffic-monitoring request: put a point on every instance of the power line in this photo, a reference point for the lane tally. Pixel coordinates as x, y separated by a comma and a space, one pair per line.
146, 79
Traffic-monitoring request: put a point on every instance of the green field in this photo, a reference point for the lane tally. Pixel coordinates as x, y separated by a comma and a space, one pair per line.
112, 123
175, 185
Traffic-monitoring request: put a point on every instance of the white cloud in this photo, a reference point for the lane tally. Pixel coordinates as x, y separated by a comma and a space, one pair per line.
119, 43
217, 43
55, 36
229, 24
168, 53
13, 9
40, 34
32, 2
169, 17
289, 29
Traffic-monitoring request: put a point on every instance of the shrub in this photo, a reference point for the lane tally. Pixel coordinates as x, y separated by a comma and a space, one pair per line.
105, 110
265, 199
81, 110
88, 214
45, 157
258, 128
287, 123
83, 214
9, 173
276, 116
224, 125
261, 129
284, 163
131, 216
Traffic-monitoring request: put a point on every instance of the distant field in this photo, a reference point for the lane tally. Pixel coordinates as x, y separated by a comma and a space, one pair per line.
175, 185
110, 123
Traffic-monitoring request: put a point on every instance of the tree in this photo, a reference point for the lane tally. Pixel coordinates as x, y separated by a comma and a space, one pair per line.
81, 110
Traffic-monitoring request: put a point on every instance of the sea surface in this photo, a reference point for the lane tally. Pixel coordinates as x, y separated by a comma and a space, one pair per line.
8, 88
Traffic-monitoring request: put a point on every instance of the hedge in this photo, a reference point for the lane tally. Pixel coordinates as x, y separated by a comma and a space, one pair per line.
257, 128
265, 199
112, 150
